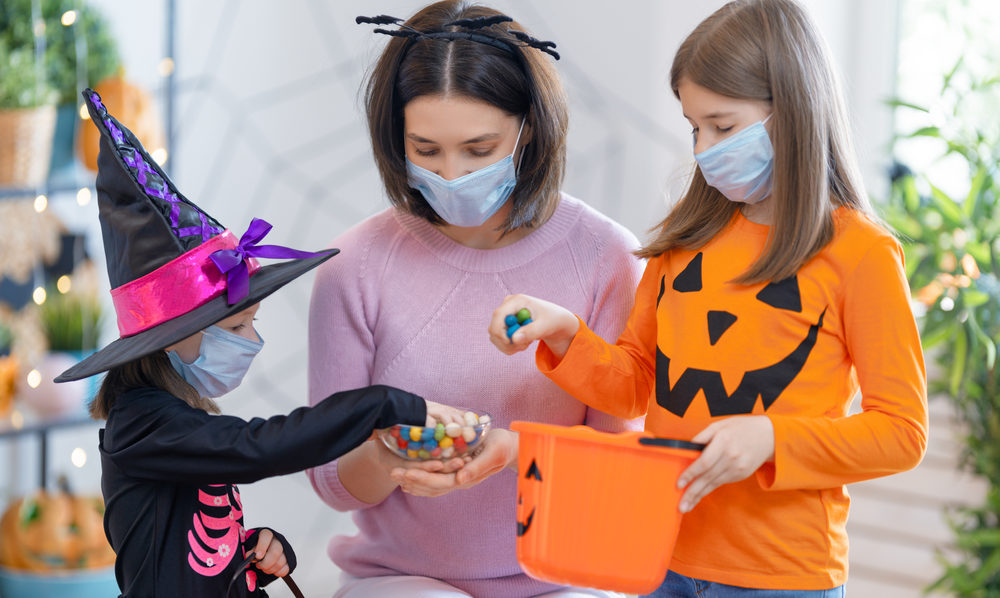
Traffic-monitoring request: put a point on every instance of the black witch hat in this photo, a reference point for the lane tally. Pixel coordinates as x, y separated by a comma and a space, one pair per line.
174, 270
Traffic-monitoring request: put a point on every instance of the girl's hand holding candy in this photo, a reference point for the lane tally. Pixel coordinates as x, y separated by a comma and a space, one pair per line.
521, 320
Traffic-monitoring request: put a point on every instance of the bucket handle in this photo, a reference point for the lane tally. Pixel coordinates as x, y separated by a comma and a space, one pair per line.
672, 443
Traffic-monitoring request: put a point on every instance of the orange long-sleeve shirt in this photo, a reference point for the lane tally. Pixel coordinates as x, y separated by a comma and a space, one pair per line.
698, 348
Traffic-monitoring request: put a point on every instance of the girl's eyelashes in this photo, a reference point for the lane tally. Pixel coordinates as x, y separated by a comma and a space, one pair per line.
480, 152
421, 152
724, 129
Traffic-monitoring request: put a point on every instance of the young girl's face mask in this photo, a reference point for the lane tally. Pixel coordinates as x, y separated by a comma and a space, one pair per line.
740, 166
223, 361
471, 199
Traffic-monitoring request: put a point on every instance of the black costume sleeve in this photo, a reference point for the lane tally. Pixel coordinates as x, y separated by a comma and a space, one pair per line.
251, 542
153, 435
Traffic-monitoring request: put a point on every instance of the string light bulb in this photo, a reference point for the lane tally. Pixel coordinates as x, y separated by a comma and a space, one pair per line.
84, 113
41, 202
159, 155
83, 196
64, 284
78, 457
166, 66
39, 295
68, 18
34, 378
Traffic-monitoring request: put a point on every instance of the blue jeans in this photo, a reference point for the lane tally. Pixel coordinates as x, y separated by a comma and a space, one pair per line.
680, 586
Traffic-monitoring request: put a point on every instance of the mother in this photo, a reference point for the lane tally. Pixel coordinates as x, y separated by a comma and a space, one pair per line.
468, 126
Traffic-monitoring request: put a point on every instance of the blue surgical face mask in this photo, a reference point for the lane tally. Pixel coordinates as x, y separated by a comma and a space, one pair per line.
223, 360
740, 167
470, 199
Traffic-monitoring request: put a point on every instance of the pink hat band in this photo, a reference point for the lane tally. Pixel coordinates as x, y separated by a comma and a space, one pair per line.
175, 288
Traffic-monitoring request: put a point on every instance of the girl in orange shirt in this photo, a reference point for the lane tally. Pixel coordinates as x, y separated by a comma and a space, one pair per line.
772, 295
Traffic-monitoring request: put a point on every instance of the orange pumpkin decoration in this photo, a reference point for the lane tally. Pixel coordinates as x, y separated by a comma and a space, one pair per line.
8, 382
133, 107
54, 531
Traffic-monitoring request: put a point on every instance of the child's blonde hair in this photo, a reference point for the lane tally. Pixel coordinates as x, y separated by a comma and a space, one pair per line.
770, 50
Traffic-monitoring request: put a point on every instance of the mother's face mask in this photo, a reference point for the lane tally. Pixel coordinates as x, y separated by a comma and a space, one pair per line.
471, 199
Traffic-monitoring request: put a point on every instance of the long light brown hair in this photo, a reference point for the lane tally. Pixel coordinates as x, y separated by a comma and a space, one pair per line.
526, 84
153, 370
770, 50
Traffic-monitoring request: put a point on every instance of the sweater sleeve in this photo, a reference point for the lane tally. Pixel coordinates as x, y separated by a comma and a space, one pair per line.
614, 294
889, 435
156, 436
341, 349
616, 379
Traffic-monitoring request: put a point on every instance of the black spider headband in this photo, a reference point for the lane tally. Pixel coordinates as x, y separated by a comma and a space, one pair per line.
470, 29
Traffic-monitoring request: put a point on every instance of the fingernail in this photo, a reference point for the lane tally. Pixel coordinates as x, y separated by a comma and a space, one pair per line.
685, 507
681, 482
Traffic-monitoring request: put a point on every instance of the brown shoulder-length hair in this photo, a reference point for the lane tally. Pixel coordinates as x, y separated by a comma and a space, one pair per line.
153, 370
524, 83
770, 50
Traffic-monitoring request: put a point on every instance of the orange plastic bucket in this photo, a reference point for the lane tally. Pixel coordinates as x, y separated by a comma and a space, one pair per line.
596, 509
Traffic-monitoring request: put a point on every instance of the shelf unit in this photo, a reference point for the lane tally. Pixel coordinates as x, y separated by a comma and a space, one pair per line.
65, 189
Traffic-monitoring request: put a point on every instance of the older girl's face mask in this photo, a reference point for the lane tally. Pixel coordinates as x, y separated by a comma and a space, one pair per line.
471, 199
740, 167
223, 361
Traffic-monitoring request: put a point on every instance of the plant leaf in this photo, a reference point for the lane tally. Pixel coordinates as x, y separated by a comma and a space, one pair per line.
960, 349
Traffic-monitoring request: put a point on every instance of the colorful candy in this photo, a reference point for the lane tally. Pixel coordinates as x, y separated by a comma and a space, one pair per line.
515, 322
441, 441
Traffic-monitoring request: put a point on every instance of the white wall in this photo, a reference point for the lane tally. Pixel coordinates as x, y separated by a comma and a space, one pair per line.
269, 126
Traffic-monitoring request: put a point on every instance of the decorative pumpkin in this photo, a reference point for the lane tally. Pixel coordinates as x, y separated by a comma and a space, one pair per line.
8, 382
54, 531
133, 107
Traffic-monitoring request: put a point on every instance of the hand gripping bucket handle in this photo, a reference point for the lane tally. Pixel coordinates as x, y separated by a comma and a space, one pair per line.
596, 509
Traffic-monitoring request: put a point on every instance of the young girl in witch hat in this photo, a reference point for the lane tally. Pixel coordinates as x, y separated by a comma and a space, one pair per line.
185, 291
772, 296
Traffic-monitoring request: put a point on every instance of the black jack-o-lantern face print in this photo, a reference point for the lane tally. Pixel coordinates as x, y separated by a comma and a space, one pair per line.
766, 382
533, 473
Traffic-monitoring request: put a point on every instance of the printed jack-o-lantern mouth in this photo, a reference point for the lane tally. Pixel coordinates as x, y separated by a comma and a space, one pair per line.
767, 382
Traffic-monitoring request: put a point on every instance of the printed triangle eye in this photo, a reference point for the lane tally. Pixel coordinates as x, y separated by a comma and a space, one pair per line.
689, 280
533, 472
783, 294
718, 323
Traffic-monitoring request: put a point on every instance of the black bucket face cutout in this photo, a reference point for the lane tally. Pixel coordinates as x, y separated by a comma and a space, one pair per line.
533, 473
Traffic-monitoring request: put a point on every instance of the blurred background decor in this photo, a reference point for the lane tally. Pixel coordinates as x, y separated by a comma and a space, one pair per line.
74, 48
8, 370
52, 544
27, 106
945, 204
134, 107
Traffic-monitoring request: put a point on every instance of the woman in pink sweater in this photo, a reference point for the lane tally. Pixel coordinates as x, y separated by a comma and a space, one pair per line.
468, 125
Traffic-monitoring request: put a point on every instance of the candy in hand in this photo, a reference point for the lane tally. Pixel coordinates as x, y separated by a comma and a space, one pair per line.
514, 322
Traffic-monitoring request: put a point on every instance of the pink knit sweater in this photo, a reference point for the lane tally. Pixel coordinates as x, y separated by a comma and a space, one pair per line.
405, 305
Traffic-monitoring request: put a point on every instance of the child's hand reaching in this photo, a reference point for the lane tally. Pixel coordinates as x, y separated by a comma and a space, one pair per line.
551, 323
270, 554
437, 412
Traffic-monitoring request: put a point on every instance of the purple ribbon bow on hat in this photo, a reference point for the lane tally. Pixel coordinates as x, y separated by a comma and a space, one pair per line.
232, 262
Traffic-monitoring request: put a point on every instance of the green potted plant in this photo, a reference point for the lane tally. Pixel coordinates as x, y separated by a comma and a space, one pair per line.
71, 323
952, 244
97, 48
27, 116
